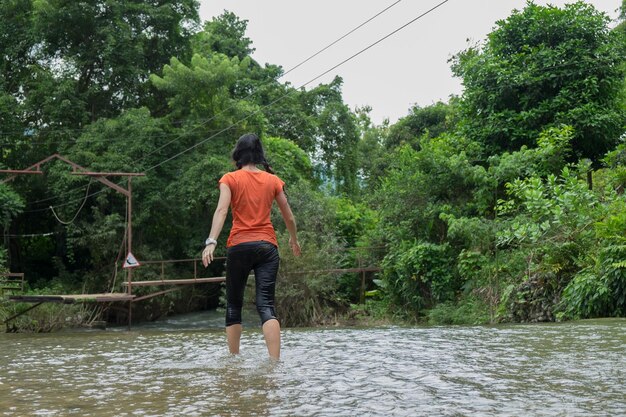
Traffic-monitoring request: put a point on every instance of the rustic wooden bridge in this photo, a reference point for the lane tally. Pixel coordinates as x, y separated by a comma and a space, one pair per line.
162, 278
14, 282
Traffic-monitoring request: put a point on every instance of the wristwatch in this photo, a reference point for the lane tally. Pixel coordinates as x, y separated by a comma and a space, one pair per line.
210, 241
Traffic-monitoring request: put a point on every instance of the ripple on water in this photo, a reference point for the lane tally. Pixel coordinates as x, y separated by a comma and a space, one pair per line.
562, 369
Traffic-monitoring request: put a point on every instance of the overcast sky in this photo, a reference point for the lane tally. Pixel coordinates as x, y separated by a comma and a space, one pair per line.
411, 67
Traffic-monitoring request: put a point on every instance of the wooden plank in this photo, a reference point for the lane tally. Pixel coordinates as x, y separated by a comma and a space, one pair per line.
72, 298
20, 171
175, 281
36, 298
100, 298
172, 261
337, 271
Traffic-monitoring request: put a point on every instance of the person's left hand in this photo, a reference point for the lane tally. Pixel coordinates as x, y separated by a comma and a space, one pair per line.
207, 255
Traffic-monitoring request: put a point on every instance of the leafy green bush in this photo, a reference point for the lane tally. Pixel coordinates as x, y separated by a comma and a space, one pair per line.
600, 288
289, 162
549, 221
309, 298
50, 317
419, 274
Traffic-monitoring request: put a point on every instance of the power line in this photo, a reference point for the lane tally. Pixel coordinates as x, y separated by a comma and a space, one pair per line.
486, 80
164, 134
205, 121
21, 131
283, 96
77, 212
279, 77
501, 86
224, 130
332, 43
67, 203
378, 41
31, 235
305, 84
43, 200
483, 81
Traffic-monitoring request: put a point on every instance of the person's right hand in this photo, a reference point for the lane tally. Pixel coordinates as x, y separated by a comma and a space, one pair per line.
207, 255
295, 247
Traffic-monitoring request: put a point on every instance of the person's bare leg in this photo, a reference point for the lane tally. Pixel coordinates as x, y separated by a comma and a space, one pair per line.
271, 331
233, 335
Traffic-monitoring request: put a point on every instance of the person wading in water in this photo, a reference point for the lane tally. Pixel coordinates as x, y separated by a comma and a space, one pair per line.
252, 244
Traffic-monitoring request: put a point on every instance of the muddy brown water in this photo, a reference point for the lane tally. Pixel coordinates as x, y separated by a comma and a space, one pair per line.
181, 368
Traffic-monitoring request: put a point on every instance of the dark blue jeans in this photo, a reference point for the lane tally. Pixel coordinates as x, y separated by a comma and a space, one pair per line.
262, 257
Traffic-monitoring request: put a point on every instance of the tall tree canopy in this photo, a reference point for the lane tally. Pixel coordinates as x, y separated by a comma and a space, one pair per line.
541, 67
225, 34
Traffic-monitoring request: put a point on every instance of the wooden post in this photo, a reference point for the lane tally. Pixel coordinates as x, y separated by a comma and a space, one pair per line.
130, 246
362, 292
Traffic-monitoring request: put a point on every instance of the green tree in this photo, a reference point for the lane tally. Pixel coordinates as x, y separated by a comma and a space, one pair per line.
11, 204
421, 185
431, 120
621, 27
66, 64
16, 41
200, 93
373, 157
337, 137
109, 48
289, 161
224, 34
541, 67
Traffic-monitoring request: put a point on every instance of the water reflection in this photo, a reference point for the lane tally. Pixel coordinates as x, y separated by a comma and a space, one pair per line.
561, 369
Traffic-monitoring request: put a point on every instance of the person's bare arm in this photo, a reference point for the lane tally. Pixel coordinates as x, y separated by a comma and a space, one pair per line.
219, 217
290, 222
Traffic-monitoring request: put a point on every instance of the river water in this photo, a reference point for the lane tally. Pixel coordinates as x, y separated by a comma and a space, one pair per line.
181, 368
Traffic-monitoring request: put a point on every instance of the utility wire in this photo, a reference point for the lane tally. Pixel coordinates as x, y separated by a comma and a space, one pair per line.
79, 209
21, 131
497, 87
488, 79
67, 202
32, 234
348, 33
303, 85
288, 93
275, 79
205, 121
486, 89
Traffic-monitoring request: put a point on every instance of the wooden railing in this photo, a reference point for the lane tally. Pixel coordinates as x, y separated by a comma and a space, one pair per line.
162, 278
12, 281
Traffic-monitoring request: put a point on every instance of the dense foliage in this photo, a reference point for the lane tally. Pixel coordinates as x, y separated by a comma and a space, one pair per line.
514, 213
541, 67
506, 203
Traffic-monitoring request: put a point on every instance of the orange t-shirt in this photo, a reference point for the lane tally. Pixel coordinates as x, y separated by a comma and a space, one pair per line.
252, 196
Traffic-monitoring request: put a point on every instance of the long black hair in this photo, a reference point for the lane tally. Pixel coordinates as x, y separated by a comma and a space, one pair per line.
249, 150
